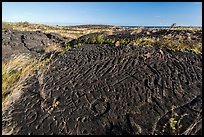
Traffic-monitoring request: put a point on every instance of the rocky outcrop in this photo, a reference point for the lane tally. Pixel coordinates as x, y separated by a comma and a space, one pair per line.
100, 90
34, 42
187, 37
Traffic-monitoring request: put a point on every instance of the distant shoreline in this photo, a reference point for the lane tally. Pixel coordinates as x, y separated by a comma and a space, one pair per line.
125, 26
161, 26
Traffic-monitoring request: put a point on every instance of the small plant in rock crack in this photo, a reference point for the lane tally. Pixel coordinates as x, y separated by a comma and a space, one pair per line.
174, 123
68, 47
67, 43
56, 104
77, 44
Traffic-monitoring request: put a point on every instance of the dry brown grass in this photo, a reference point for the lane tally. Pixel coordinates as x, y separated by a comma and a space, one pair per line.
15, 71
110, 32
57, 48
136, 31
66, 31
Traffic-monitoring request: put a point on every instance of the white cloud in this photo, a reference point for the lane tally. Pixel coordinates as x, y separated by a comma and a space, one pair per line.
197, 2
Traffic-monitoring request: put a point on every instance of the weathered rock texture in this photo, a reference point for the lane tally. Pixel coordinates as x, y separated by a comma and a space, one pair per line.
109, 90
33, 42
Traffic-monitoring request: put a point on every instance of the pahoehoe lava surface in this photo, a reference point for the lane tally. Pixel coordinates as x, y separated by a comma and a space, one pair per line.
109, 90
32, 42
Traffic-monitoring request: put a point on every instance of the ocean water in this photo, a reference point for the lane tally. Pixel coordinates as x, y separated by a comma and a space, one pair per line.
146, 26
159, 26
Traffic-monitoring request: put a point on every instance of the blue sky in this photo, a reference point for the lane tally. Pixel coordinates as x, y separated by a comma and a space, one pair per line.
112, 13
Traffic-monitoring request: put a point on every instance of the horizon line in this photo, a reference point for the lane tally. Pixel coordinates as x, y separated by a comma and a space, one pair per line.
80, 24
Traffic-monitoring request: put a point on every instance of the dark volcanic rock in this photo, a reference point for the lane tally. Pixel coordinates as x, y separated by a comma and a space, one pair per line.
33, 42
109, 90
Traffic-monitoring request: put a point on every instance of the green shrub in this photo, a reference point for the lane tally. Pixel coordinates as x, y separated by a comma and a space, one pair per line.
113, 41
108, 41
124, 41
100, 39
93, 40
138, 40
86, 41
